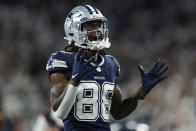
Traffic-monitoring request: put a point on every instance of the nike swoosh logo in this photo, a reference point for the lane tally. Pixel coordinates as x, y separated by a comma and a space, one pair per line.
73, 76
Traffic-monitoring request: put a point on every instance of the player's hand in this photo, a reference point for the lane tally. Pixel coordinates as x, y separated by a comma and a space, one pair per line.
151, 78
81, 67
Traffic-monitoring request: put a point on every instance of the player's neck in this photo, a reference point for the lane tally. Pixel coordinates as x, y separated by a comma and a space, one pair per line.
93, 53
96, 57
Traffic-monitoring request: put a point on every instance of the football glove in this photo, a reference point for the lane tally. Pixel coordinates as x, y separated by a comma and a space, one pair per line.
81, 67
154, 76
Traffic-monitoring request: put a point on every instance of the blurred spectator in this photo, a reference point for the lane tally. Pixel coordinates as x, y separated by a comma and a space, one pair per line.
47, 122
2, 120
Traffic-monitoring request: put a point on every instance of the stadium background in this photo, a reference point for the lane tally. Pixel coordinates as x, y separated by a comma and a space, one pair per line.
140, 32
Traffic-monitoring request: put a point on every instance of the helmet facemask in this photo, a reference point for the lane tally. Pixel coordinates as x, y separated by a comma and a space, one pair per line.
93, 38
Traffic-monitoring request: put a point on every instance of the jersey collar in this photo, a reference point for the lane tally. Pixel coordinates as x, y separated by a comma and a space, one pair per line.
101, 63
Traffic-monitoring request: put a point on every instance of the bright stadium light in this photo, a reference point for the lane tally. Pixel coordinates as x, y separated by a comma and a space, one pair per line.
115, 127
131, 125
142, 127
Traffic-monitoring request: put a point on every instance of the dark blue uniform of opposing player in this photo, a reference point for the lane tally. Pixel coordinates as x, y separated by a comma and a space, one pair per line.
84, 80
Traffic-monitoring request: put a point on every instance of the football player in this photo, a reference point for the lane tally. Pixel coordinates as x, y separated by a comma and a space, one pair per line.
85, 80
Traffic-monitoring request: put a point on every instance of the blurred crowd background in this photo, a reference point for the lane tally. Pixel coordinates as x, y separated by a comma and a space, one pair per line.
141, 31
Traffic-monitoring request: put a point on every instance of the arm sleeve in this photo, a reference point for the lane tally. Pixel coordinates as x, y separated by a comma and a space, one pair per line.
67, 103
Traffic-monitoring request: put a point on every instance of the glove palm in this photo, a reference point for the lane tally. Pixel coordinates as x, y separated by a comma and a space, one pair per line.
154, 76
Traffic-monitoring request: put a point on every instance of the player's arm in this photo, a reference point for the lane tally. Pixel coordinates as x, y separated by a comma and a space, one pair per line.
121, 108
63, 92
59, 82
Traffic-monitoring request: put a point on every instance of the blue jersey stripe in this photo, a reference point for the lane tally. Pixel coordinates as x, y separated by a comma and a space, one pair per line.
90, 11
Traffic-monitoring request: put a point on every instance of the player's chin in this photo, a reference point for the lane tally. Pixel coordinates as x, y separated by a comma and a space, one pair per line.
95, 38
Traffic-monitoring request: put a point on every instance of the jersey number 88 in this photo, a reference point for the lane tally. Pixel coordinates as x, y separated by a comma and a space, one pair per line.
93, 101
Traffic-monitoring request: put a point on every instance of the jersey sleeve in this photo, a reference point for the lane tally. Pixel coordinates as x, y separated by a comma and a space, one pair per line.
117, 70
58, 62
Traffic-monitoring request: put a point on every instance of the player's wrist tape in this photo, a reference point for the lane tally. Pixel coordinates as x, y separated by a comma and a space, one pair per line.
67, 102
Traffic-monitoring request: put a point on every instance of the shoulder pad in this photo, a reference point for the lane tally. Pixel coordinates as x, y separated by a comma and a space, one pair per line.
59, 61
